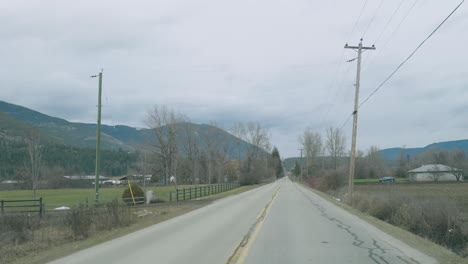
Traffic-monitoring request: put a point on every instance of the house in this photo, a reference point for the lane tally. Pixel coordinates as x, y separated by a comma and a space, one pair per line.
85, 177
435, 172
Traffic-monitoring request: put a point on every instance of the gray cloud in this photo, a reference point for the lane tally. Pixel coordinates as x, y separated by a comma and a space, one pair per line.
268, 61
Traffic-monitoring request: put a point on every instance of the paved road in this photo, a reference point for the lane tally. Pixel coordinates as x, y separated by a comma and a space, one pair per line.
278, 223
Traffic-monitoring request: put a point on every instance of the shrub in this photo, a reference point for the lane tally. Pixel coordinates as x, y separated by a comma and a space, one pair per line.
138, 194
79, 222
435, 219
111, 215
328, 180
17, 228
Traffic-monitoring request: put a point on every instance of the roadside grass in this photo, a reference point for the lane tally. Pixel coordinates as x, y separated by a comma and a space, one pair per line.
53, 239
455, 192
56, 248
437, 211
53, 198
440, 253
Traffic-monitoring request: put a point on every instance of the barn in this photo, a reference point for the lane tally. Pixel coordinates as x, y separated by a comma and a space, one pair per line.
435, 172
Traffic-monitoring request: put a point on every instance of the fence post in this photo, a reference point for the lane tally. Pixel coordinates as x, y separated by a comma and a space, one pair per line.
2, 207
190, 195
184, 193
41, 210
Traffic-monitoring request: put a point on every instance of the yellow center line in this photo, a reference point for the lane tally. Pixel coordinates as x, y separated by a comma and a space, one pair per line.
241, 252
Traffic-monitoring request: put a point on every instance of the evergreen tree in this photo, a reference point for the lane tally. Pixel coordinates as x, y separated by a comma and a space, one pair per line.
297, 169
277, 163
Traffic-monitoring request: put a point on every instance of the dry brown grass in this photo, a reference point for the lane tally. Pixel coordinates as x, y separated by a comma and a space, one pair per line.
437, 211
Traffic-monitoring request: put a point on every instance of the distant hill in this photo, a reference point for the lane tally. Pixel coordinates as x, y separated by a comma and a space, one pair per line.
15, 120
394, 153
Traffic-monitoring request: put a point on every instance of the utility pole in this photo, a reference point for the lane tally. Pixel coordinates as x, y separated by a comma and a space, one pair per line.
98, 140
359, 49
302, 162
238, 157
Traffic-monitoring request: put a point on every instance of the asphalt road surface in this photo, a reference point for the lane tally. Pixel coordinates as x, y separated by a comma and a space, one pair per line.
281, 222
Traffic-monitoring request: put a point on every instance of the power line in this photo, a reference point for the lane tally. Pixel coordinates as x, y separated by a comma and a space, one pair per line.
372, 19
389, 20
412, 53
357, 20
391, 36
345, 122
401, 22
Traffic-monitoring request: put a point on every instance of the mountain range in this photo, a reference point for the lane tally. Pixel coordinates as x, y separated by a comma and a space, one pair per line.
393, 154
15, 120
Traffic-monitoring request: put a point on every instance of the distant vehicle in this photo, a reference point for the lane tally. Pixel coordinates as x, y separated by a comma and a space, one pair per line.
387, 179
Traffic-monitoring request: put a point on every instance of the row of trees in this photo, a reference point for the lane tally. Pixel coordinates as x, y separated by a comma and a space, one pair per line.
321, 153
35, 161
330, 153
179, 149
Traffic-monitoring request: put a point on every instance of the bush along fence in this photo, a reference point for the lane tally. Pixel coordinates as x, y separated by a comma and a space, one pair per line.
22, 206
200, 191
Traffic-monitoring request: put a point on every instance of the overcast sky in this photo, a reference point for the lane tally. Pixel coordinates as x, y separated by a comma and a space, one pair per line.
279, 62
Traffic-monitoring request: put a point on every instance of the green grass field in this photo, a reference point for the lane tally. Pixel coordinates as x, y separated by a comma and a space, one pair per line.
53, 198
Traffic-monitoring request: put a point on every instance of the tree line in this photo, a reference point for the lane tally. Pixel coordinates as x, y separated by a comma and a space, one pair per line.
32, 161
207, 157
329, 153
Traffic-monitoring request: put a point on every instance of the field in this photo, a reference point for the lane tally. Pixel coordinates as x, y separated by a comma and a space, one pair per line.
436, 211
53, 198
40, 240
453, 191
377, 180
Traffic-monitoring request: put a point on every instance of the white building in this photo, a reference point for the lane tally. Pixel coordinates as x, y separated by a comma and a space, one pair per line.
435, 172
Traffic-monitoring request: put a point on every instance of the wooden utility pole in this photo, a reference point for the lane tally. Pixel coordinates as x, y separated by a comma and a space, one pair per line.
98, 140
359, 50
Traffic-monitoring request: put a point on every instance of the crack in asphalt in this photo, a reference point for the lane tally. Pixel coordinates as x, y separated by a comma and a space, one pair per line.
375, 253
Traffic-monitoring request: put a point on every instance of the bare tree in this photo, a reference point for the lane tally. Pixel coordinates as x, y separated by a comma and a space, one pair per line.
211, 147
236, 130
335, 144
256, 165
192, 149
163, 123
258, 138
312, 144
375, 162
458, 163
221, 154
35, 151
435, 173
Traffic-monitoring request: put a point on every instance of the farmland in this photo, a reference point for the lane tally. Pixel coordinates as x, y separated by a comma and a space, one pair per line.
373, 180
53, 198
453, 191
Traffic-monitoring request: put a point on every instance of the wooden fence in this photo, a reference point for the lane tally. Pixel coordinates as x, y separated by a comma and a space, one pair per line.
200, 191
22, 206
